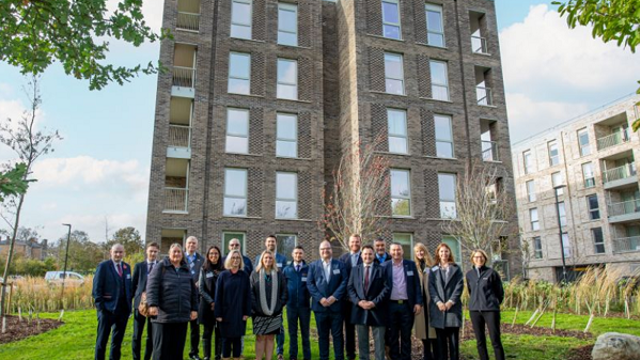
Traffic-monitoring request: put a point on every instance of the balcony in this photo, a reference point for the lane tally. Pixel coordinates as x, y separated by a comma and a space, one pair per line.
484, 96
613, 139
188, 21
624, 211
620, 176
626, 244
184, 71
175, 200
479, 45
179, 144
490, 151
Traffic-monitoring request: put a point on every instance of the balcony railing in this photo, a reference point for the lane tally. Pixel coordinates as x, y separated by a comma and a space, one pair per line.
624, 208
621, 172
616, 138
479, 45
175, 199
188, 21
184, 76
180, 136
626, 244
490, 151
484, 96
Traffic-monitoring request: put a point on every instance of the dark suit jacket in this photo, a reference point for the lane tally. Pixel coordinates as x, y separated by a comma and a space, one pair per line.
443, 290
195, 267
139, 282
386, 259
106, 286
346, 259
318, 287
411, 277
379, 289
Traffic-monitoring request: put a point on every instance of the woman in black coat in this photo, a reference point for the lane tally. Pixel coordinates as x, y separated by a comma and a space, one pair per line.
446, 284
485, 296
207, 285
173, 302
233, 304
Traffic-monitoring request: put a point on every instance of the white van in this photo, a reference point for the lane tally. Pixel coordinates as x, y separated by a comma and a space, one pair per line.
57, 276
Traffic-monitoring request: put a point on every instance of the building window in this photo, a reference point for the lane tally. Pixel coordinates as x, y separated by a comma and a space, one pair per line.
554, 154
535, 222
397, 125
447, 191
228, 236
400, 192
454, 244
444, 136
239, 73
241, 19
531, 190
439, 80
587, 175
391, 19
537, 247
286, 244
287, 24
583, 142
237, 131
556, 180
435, 28
287, 135
527, 161
598, 240
562, 213
287, 79
566, 245
394, 73
286, 195
594, 209
235, 192
406, 240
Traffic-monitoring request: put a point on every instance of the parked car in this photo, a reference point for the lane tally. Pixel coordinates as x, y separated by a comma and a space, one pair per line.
55, 277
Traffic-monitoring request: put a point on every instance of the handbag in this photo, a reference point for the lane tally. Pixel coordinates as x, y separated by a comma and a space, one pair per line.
143, 307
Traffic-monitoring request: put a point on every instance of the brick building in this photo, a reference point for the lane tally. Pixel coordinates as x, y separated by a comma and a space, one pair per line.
263, 97
591, 161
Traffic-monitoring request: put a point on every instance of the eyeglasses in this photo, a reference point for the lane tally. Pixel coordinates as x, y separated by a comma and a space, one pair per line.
234, 245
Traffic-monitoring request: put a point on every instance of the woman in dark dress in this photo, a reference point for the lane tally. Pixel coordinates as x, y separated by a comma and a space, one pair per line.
207, 284
233, 304
268, 296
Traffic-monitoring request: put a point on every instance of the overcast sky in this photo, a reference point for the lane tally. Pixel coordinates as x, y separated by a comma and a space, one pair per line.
99, 173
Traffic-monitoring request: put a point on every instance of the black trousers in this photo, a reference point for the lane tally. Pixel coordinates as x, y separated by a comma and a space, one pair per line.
195, 337
169, 340
430, 349
114, 324
349, 333
449, 343
400, 325
136, 343
229, 344
492, 321
209, 331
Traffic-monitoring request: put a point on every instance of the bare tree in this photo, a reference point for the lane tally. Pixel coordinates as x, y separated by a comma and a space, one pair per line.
28, 144
353, 204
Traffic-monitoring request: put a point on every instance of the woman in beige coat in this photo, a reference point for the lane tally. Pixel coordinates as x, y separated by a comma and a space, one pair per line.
421, 327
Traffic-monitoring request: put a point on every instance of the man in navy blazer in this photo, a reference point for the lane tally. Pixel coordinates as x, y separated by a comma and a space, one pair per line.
405, 302
112, 295
351, 260
298, 304
139, 284
368, 290
327, 284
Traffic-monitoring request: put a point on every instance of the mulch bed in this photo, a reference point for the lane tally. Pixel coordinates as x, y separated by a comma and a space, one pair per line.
18, 330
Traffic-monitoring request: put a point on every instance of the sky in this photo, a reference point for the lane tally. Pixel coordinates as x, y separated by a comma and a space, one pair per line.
97, 178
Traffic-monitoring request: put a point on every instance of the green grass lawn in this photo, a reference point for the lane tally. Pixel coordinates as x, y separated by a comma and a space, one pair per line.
76, 339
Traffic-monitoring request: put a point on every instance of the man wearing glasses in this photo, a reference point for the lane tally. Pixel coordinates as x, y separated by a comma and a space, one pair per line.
234, 244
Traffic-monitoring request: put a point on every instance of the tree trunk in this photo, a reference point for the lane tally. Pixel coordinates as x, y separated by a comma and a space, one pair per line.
3, 291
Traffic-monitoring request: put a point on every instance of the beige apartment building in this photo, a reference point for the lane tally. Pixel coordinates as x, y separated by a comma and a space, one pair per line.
591, 162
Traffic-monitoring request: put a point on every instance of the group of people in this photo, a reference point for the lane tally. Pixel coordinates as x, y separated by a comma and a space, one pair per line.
367, 291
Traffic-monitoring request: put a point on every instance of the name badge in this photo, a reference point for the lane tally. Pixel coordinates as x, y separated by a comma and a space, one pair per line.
304, 279
409, 273
336, 271
279, 265
193, 272
128, 276
209, 275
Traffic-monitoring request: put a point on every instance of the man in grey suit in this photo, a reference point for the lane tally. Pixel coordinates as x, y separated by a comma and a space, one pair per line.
368, 291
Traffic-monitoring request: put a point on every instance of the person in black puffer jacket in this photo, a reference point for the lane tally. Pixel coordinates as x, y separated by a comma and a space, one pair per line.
485, 296
172, 299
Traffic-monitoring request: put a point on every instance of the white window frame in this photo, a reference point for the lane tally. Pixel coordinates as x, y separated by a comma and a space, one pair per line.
249, 25
562, 213
246, 191
281, 139
404, 137
242, 239
535, 223
589, 181
283, 83
566, 243
595, 244
388, 77
284, 199
289, 8
437, 9
442, 140
444, 85
537, 247
407, 255
229, 134
531, 190
527, 161
280, 249
398, 25
556, 180
447, 201
553, 160
247, 78
401, 197
593, 210
584, 131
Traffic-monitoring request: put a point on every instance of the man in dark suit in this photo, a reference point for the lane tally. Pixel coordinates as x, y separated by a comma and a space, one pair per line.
368, 290
112, 295
234, 244
298, 304
405, 302
350, 260
139, 283
382, 255
194, 261
327, 284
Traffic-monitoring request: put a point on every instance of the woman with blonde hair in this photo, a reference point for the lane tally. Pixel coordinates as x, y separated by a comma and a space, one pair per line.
421, 326
268, 296
485, 296
446, 283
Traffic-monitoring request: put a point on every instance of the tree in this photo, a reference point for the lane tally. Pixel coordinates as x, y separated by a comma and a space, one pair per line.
84, 254
128, 237
360, 180
612, 20
35, 33
28, 144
